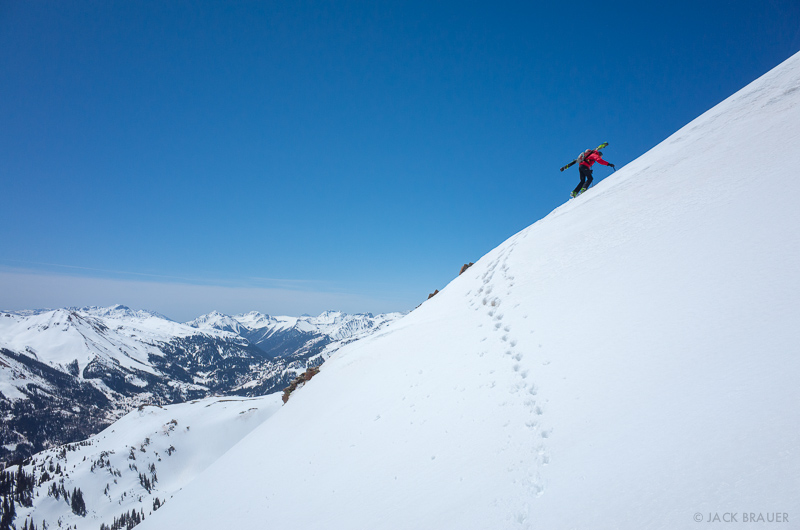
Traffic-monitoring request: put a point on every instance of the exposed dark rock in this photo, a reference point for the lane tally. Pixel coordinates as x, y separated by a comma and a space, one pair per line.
299, 381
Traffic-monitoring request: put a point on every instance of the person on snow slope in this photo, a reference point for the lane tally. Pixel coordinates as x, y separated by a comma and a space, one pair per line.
585, 169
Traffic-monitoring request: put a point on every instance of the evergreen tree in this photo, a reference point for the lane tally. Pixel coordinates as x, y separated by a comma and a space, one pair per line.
5, 483
9, 512
78, 505
52, 491
24, 489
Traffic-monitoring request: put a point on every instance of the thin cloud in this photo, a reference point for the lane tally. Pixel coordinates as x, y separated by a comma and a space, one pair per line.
182, 301
39, 267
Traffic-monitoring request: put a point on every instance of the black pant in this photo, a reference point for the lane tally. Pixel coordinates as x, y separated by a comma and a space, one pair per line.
586, 178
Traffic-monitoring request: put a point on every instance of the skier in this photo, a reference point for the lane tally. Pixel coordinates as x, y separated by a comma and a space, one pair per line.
585, 168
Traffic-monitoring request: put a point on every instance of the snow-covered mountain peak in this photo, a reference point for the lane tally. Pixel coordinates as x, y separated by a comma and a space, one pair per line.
216, 320
256, 320
119, 311
330, 316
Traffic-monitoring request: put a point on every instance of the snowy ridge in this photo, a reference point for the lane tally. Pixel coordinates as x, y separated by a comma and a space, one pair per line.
119, 311
332, 328
217, 320
112, 359
630, 361
334, 324
114, 335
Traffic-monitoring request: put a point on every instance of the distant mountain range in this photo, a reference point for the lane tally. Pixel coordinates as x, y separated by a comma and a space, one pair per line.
65, 374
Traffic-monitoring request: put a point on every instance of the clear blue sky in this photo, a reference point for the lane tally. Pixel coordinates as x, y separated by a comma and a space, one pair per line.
292, 157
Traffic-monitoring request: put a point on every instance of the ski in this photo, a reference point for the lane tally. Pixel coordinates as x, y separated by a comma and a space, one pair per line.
574, 195
601, 146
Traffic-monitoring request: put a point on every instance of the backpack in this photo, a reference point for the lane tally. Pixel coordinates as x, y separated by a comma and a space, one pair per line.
583, 156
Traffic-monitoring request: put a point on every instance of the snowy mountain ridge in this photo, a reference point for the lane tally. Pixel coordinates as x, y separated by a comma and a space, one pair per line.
114, 358
114, 335
335, 324
333, 328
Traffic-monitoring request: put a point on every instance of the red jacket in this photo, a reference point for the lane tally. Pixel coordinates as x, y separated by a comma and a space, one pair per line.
592, 158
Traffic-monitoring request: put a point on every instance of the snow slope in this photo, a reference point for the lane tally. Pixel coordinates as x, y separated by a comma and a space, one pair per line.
169, 446
630, 361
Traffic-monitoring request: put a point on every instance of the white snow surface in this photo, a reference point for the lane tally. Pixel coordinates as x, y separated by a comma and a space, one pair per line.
629, 361
171, 444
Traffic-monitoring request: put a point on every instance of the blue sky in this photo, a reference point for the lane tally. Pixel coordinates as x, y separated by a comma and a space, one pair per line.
292, 157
